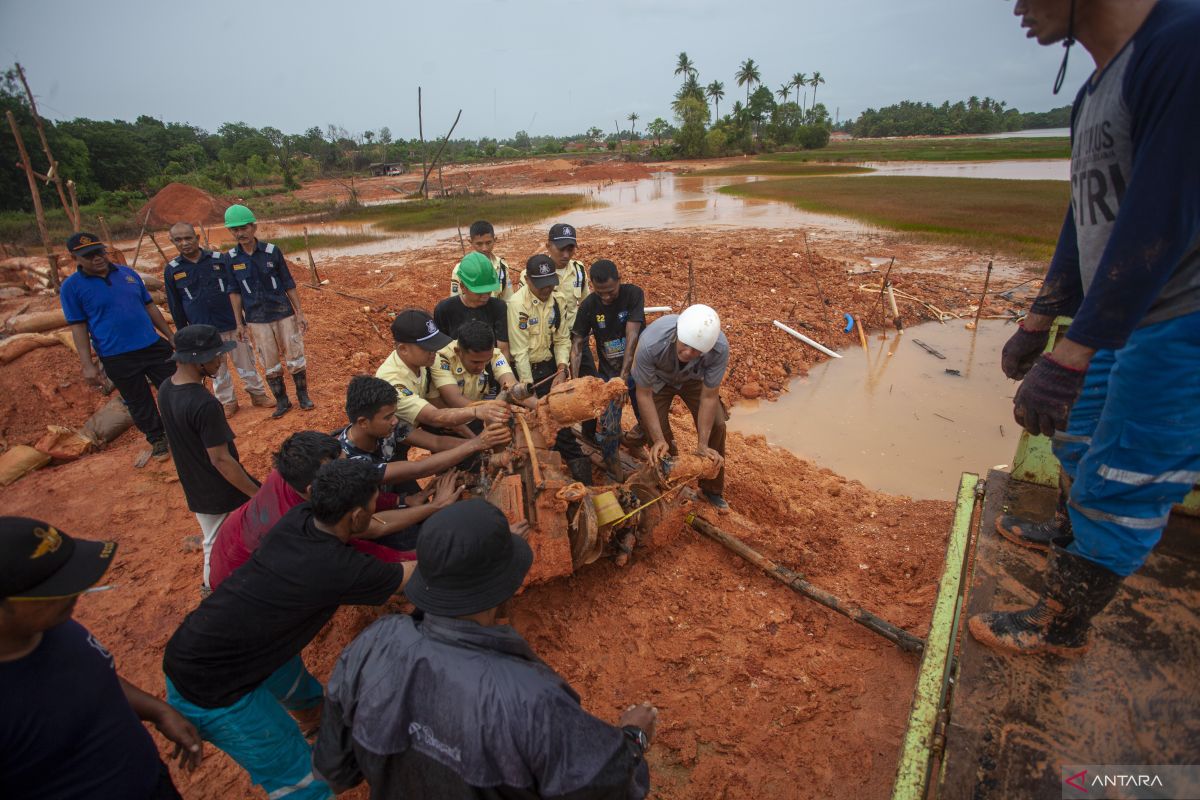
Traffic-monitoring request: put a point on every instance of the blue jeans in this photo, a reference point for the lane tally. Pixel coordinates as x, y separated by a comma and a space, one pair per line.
258, 733
1132, 443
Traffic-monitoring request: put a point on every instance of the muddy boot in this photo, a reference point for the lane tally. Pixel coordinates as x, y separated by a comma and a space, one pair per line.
260, 399
279, 389
1038, 535
581, 470
159, 450
231, 408
1076, 590
301, 381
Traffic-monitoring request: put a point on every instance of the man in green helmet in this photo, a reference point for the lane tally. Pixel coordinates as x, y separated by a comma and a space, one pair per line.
266, 304
475, 300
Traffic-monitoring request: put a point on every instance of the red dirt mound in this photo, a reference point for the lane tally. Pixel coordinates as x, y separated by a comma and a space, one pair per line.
178, 202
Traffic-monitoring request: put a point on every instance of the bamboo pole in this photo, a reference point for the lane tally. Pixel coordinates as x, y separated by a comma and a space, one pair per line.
312, 265
75, 205
104, 231
982, 297
52, 171
156, 247
37, 201
862, 335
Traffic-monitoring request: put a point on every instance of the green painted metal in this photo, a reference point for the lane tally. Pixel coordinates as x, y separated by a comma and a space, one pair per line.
912, 773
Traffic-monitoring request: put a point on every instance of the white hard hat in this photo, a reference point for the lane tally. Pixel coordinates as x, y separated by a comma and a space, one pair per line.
698, 327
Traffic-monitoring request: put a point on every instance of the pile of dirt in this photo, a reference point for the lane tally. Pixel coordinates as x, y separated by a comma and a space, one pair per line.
178, 202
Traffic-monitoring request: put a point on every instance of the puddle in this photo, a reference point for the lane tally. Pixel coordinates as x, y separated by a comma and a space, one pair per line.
1056, 169
876, 419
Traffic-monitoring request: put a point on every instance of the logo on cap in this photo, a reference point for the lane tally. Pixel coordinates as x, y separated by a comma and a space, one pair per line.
567, 231
51, 541
431, 326
86, 240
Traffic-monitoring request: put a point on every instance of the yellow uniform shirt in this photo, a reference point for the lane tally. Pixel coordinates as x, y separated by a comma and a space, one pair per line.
448, 370
572, 288
413, 387
502, 273
536, 333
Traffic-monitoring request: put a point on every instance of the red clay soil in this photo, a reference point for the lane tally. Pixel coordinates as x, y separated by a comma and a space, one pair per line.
178, 202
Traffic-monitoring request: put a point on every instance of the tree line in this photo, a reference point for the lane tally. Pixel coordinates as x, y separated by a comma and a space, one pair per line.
909, 118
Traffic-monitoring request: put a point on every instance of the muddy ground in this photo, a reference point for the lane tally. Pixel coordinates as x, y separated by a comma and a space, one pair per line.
763, 694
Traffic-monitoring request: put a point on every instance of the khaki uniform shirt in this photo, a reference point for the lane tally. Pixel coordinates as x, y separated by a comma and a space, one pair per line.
572, 288
536, 333
505, 277
448, 370
414, 388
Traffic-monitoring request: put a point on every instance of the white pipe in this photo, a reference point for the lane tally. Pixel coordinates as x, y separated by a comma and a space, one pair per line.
656, 309
806, 340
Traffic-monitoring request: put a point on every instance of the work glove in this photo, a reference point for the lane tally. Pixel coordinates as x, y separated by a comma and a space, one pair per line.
1044, 399
1021, 350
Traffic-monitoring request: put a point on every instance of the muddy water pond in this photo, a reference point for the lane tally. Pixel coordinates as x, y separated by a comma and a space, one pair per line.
895, 418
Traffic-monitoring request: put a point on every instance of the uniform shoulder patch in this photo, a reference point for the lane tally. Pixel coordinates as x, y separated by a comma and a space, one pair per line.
174, 262
270, 248
239, 266
407, 392
180, 276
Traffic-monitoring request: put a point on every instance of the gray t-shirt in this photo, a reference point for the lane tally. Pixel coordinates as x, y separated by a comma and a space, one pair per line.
655, 365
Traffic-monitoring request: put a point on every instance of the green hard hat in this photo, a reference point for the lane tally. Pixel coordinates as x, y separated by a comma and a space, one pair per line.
238, 215
477, 274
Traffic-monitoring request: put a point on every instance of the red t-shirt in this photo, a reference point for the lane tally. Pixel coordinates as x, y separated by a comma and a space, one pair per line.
243, 530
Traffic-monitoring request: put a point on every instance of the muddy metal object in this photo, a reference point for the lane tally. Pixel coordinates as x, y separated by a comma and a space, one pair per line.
896, 635
571, 524
929, 349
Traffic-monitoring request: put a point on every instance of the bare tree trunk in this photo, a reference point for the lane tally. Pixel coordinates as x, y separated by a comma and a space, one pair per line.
53, 168
37, 201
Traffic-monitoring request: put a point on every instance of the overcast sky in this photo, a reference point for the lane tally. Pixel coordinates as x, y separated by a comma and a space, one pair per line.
545, 67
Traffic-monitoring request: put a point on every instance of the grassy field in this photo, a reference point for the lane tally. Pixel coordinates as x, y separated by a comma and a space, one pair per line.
295, 244
1018, 217
794, 169
934, 149
423, 215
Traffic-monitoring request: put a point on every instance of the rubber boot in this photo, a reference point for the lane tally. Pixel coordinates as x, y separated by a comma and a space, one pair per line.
301, 380
279, 389
1076, 591
581, 470
1038, 535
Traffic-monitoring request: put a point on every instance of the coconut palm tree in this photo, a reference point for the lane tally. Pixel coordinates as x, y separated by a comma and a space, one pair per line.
815, 81
799, 80
633, 118
784, 92
748, 75
685, 66
715, 92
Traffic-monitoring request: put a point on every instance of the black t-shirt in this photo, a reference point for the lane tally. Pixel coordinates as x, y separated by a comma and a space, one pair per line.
608, 325
270, 608
194, 422
452, 312
66, 729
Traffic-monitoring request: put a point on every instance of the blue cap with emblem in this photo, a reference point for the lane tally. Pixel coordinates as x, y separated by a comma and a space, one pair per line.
84, 244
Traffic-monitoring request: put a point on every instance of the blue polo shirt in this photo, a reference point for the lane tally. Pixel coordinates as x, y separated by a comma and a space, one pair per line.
114, 308
198, 291
262, 279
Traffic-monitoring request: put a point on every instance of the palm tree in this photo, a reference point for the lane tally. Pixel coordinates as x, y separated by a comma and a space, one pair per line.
633, 118
799, 80
748, 75
715, 91
784, 92
685, 66
815, 81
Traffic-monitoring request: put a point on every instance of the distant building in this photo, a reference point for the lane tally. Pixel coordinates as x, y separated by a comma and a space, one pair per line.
388, 168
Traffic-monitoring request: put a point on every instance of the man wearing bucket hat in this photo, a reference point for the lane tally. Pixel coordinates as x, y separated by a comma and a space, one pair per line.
477, 281
108, 304
455, 704
265, 301
685, 355
70, 727
213, 480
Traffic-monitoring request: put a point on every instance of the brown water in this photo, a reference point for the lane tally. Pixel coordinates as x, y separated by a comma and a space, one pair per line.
895, 419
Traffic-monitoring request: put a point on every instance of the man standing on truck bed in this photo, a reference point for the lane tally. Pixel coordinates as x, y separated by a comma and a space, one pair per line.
1120, 393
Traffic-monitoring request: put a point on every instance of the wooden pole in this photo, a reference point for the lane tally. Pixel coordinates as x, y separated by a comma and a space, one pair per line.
104, 231
137, 248
691, 295
37, 201
982, 297
438, 154
421, 133
820, 291
862, 335
312, 265
75, 205
156, 247
53, 169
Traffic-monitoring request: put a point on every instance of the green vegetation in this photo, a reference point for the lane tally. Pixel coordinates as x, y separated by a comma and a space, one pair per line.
1019, 217
973, 116
295, 244
946, 149
423, 215
783, 169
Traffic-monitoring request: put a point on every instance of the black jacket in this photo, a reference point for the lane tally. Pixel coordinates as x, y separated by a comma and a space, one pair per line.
447, 708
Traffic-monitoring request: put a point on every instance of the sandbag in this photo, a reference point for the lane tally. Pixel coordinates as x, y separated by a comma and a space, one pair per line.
63, 444
67, 340
20, 461
36, 321
109, 422
14, 347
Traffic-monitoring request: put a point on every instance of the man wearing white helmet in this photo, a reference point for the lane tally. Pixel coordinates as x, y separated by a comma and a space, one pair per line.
685, 355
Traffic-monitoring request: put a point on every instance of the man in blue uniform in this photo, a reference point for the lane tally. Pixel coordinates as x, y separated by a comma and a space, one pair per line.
108, 304
197, 287
265, 301
1120, 393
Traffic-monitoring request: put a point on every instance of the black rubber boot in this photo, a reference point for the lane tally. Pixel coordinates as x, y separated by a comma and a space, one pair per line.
301, 381
1076, 591
1038, 535
279, 389
581, 470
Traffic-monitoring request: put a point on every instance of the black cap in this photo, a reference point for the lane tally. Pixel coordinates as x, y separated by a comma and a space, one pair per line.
415, 326
562, 233
84, 244
541, 271
40, 562
467, 560
197, 344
